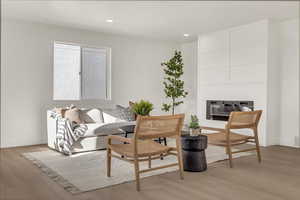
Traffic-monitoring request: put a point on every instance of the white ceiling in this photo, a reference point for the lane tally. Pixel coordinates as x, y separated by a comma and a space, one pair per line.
151, 19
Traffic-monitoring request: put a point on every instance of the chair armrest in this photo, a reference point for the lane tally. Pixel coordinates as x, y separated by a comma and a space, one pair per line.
156, 134
118, 138
212, 128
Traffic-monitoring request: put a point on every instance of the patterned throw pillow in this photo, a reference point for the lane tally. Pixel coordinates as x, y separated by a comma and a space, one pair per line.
126, 113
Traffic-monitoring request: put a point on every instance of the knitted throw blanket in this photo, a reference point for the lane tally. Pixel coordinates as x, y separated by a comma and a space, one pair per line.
67, 133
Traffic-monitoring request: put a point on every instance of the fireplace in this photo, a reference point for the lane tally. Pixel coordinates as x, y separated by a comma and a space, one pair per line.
220, 110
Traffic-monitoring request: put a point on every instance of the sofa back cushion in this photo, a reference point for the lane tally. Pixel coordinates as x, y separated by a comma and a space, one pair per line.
93, 115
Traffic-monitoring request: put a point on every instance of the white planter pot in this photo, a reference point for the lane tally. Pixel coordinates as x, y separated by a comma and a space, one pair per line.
194, 132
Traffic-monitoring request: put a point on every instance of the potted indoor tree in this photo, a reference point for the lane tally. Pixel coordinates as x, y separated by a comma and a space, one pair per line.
173, 83
194, 126
142, 108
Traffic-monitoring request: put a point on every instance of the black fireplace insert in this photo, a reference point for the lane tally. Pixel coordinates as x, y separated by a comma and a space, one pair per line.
220, 110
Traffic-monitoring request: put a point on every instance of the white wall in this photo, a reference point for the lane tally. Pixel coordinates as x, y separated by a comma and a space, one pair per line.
26, 78
189, 55
273, 86
289, 71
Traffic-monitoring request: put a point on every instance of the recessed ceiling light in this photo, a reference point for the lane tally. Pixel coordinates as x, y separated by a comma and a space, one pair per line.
186, 35
109, 20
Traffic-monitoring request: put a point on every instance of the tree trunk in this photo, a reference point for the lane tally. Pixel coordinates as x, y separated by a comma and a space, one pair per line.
173, 108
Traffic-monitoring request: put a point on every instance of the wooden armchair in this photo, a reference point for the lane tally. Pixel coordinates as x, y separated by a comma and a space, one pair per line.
142, 147
227, 138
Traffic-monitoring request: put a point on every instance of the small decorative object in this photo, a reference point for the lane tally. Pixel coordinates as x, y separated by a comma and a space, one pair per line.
174, 86
142, 108
194, 126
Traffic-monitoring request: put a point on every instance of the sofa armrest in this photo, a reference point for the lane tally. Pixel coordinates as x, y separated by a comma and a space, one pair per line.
51, 129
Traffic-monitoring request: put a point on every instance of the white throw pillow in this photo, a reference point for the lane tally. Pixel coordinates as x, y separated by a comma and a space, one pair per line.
93, 115
112, 115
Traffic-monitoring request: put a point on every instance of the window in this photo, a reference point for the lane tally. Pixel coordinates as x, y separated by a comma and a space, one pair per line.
81, 72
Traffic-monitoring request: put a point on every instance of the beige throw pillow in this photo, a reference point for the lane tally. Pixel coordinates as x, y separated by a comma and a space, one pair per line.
60, 111
73, 115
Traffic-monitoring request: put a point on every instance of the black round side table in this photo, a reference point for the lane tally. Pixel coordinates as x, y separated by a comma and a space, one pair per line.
193, 152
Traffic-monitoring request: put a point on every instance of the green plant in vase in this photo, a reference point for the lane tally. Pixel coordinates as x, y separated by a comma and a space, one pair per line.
194, 125
142, 108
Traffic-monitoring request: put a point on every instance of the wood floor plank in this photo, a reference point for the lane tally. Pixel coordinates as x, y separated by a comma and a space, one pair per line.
276, 178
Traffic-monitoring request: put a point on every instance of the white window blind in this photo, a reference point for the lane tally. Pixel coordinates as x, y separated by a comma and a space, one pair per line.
80, 72
66, 72
94, 73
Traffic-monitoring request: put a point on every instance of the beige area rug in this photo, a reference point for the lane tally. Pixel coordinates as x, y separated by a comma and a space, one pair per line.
87, 171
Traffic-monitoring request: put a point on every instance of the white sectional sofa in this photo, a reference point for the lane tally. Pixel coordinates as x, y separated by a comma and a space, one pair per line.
100, 123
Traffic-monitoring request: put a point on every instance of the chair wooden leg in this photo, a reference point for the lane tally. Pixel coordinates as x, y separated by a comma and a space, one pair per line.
258, 153
230, 156
137, 174
108, 162
149, 162
257, 146
179, 157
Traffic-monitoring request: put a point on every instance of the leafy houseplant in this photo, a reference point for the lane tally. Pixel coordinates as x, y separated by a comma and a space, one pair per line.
142, 108
194, 125
174, 86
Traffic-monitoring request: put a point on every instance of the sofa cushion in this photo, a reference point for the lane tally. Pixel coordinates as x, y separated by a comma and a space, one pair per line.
72, 114
96, 129
93, 115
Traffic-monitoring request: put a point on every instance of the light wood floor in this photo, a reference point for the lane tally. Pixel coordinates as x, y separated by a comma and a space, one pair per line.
278, 177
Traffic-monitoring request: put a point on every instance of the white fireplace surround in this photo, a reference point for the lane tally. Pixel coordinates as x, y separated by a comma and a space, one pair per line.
244, 63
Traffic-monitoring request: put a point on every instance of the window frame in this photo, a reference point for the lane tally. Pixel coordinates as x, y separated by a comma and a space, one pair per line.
108, 70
